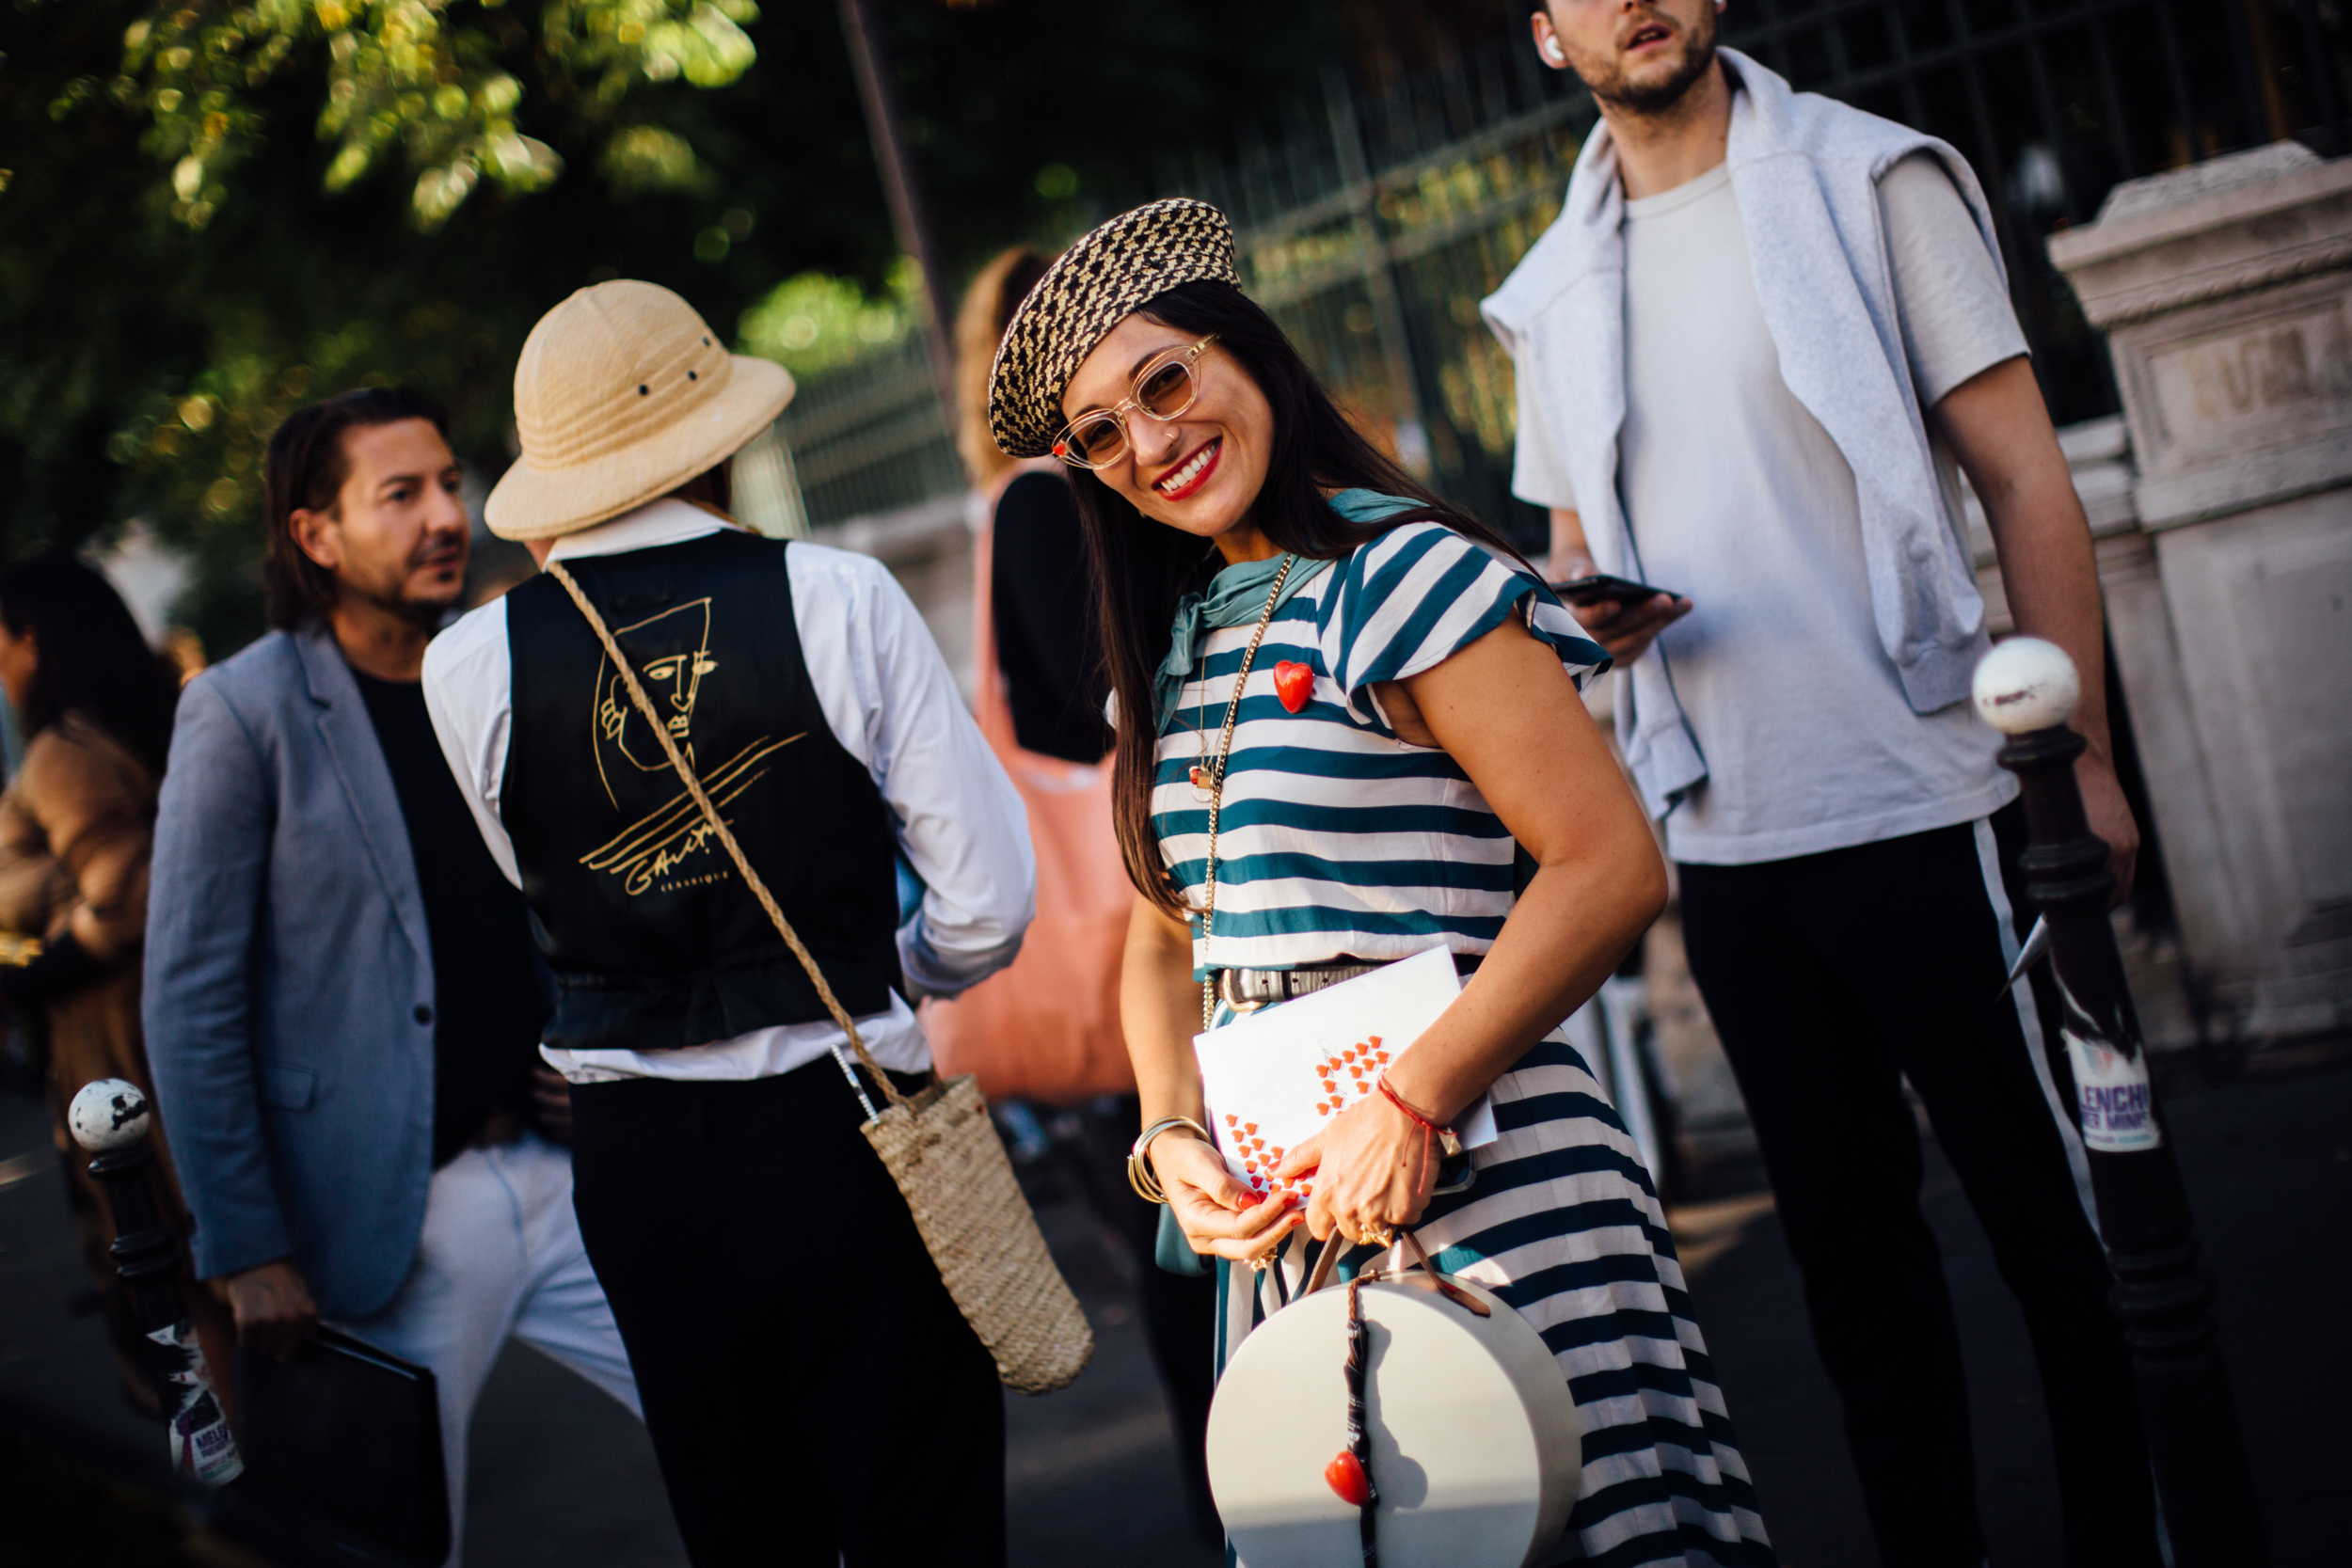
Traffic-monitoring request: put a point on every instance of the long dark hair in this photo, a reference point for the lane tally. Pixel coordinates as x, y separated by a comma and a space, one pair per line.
304, 472
91, 660
1142, 567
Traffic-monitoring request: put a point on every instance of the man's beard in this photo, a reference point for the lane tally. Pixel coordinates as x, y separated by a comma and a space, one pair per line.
1653, 98
394, 599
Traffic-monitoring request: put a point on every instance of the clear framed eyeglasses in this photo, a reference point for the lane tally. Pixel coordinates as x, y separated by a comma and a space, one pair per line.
1163, 389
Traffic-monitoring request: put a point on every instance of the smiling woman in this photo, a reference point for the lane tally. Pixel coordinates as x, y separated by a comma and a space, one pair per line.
1348, 733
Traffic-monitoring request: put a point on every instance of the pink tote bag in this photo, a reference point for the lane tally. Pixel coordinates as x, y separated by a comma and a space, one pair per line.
1048, 1027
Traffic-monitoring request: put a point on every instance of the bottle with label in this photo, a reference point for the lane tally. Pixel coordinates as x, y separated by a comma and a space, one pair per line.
110, 1118
203, 1447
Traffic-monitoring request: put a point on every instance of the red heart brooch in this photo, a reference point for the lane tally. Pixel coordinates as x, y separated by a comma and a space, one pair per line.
1294, 684
1345, 1476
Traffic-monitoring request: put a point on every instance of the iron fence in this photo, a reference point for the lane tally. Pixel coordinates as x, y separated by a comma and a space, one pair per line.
1372, 224
870, 437
2055, 102
1371, 232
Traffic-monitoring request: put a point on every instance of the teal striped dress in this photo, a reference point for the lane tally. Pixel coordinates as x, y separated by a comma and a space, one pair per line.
1337, 840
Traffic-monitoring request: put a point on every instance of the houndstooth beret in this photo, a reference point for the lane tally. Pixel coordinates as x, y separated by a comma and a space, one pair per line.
1098, 282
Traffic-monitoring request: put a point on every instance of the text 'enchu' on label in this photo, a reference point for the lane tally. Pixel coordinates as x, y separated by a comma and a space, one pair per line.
2118, 1109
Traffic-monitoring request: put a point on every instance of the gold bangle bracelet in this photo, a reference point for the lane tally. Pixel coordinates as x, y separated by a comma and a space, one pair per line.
1140, 1176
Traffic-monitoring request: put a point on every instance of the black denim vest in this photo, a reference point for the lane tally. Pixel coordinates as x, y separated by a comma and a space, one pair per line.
656, 940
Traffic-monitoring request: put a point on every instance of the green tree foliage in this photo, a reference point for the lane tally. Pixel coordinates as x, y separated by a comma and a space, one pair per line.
426, 77
213, 212
815, 322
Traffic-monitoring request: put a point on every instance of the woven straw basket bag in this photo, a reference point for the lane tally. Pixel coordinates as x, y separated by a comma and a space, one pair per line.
938, 1145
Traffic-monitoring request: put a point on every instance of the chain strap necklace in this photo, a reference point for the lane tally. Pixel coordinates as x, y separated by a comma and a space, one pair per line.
1216, 777
1199, 774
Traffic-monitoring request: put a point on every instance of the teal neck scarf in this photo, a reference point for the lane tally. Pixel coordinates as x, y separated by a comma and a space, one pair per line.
1237, 596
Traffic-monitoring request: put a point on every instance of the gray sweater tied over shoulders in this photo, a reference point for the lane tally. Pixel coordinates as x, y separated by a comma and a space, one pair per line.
1804, 170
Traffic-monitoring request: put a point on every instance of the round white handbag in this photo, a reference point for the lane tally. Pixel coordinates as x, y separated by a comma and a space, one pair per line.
1474, 1449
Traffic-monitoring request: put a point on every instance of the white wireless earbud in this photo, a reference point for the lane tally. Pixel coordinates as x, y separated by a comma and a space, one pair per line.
1552, 46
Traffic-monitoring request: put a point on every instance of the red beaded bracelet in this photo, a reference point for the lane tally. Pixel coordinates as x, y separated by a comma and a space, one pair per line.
1446, 1139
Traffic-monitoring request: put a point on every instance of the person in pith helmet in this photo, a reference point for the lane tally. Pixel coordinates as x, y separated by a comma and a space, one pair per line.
812, 1394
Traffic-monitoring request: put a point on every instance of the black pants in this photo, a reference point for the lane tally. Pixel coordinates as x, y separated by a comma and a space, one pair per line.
1828, 976
812, 1393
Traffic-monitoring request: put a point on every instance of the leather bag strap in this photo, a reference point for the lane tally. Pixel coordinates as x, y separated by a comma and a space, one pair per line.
1330, 1257
727, 838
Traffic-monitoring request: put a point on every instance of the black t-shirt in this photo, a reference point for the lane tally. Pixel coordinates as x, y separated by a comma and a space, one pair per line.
1042, 605
488, 1004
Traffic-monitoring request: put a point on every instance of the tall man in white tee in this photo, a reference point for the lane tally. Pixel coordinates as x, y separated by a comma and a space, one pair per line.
1750, 353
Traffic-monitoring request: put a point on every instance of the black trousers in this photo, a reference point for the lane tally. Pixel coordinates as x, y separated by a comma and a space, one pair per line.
1828, 976
812, 1393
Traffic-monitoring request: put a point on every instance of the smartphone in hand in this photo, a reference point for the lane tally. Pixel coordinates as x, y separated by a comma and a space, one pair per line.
1601, 588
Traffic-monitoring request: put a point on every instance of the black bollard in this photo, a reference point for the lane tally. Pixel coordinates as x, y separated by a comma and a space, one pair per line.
2027, 689
110, 1118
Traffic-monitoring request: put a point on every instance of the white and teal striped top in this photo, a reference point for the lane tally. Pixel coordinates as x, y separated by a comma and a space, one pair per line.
1336, 839
1339, 840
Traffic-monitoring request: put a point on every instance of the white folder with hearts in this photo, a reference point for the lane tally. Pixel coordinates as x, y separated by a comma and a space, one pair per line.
1272, 1078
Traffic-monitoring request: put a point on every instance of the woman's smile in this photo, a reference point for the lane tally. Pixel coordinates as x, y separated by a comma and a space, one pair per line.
1198, 470
1193, 472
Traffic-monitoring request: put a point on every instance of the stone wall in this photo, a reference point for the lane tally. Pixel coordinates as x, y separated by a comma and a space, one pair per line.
2226, 293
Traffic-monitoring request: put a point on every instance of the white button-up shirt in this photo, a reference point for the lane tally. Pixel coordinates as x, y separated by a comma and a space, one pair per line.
888, 698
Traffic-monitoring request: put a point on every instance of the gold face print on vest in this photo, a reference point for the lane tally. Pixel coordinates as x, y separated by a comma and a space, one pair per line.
672, 679
652, 853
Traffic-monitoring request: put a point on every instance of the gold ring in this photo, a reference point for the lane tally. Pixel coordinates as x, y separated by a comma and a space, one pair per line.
1260, 1264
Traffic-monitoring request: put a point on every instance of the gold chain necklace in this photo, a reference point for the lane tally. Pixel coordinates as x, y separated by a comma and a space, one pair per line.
1199, 773
1216, 776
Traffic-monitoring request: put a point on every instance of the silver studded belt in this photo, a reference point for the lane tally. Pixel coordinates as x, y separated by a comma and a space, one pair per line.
1246, 989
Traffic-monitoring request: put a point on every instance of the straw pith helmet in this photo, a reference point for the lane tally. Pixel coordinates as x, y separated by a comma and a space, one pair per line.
1099, 281
622, 394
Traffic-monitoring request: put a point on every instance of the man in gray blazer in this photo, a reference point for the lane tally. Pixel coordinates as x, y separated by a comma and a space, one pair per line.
344, 1003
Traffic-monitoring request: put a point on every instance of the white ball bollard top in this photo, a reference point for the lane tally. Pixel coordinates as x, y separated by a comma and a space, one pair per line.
109, 1112
2025, 683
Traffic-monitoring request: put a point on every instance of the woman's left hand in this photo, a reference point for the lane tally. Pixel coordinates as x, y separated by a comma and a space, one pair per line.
1372, 1168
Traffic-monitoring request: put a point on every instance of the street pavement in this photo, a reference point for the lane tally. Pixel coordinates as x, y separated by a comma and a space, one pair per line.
561, 1474
2268, 1165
